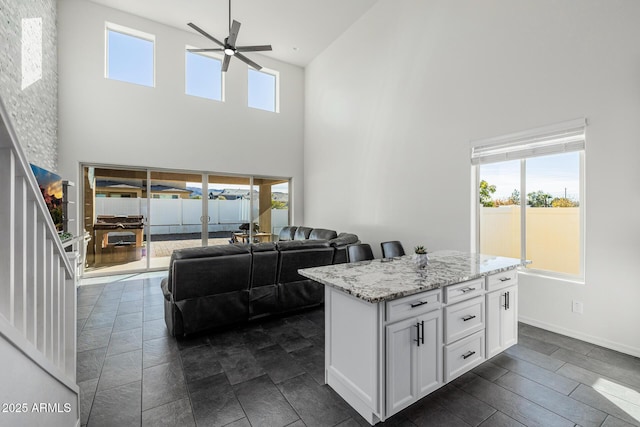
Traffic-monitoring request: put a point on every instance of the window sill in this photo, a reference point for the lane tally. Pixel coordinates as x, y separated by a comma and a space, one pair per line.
560, 277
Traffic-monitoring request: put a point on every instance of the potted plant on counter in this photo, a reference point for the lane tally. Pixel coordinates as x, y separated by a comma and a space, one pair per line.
420, 257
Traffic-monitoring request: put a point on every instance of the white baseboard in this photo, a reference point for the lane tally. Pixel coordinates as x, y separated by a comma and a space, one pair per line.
633, 351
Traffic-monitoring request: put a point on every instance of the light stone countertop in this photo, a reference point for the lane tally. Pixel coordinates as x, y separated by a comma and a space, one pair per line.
376, 281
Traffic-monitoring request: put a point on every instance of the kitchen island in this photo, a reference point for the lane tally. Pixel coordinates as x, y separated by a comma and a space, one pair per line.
395, 333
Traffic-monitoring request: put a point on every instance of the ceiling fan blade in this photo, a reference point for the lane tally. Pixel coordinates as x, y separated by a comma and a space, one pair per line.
217, 49
233, 33
225, 63
253, 48
204, 33
243, 58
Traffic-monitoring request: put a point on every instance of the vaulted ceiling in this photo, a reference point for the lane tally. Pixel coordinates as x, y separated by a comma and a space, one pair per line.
298, 30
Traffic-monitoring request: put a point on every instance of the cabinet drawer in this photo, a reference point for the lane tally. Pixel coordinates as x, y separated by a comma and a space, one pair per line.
462, 291
463, 318
501, 280
463, 355
413, 305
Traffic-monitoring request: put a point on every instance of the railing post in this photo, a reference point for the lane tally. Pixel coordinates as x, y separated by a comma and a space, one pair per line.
55, 305
49, 298
7, 232
41, 288
70, 328
33, 266
20, 280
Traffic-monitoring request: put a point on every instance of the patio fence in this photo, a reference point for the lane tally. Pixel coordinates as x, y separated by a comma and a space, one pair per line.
174, 216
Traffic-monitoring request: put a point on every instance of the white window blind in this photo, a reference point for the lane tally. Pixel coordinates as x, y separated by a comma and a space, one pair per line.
554, 139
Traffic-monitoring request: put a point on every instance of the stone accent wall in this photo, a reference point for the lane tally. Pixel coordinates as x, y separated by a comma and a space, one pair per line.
29, 76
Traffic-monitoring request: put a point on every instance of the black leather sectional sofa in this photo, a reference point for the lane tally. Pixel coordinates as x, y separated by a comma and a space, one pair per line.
208, 287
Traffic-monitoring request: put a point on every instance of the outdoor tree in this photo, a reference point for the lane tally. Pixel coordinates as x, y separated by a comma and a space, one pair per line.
275, 204
486, 190
539, 199
563, 202
515, 197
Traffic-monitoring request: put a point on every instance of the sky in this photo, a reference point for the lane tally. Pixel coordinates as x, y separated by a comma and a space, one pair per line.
279, 188
551, 174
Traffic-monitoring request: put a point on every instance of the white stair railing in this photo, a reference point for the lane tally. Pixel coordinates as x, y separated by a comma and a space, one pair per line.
37, 284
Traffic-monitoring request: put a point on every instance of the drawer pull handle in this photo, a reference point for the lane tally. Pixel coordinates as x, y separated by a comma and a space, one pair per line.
465, 290
468, 354
418, 304
504, 279
469, 317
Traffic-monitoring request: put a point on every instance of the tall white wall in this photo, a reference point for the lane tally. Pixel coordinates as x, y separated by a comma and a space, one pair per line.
394, 102
115, 123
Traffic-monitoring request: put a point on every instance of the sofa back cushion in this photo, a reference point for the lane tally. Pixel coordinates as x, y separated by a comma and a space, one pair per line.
203, 252
295, 255
302, 233
287, 233
265, 264
322, 234
197, 272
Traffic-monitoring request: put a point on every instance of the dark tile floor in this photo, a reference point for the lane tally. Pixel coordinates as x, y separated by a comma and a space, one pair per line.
270, 373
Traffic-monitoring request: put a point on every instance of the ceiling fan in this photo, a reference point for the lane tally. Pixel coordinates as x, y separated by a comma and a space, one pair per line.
229, 46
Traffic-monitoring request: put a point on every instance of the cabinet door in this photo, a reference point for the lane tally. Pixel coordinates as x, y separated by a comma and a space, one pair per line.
493, 307
502, 320
429, 358
509, 320
401, 364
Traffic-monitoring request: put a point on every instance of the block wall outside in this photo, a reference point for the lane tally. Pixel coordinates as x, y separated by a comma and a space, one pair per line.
29, 76
553, 236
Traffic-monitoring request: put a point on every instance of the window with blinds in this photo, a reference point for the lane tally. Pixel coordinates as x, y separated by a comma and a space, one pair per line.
530, 194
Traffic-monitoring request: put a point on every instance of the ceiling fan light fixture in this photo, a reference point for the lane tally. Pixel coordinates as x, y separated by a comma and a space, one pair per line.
229, 46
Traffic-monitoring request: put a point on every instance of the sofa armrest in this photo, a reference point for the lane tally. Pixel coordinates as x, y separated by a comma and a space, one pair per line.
164, 285
344, 239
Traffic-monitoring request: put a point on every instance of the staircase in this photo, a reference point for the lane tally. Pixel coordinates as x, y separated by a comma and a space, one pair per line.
37, 297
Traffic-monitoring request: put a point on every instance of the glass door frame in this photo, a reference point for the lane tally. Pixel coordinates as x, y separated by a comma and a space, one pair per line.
205, 218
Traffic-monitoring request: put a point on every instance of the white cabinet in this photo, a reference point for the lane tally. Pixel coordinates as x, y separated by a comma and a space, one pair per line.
464, 328
413, 362
463, 355
463, 319
501, 313
383, 356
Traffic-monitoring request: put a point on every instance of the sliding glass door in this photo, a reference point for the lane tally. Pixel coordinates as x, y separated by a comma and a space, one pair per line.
151, 213
114, 216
